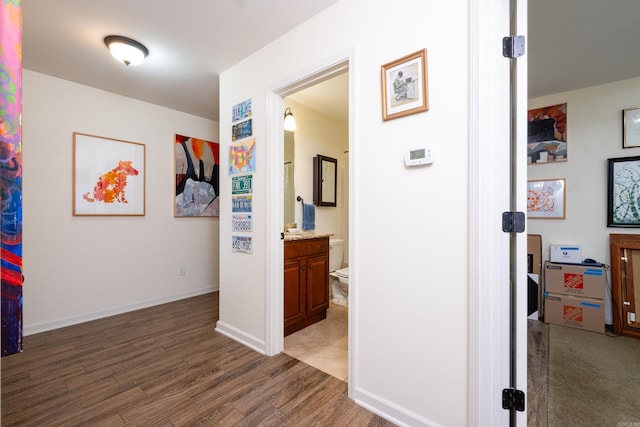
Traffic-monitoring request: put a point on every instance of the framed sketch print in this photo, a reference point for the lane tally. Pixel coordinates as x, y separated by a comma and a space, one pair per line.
197, 172
623, 192
546, 199
404, 86
547, 134
631, 128
108, 176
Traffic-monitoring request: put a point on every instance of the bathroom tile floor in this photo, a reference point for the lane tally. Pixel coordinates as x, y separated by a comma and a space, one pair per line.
323, 345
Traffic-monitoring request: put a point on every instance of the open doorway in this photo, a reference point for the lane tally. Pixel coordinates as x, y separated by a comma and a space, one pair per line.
594, 87
314, 92
322, 116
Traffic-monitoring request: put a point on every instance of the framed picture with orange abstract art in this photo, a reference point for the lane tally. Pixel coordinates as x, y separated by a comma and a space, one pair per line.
546, 199
108, 176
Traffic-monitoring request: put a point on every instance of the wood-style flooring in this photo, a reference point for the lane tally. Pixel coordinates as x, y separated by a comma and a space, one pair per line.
537, 373
166, 366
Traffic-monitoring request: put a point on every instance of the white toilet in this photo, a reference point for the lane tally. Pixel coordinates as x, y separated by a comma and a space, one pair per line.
339, 276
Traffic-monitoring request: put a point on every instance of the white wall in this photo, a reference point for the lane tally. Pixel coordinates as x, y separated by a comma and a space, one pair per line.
409, 249
594, 134
319, 134
81, 268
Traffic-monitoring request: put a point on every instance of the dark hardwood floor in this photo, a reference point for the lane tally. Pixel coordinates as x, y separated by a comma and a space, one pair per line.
166, 366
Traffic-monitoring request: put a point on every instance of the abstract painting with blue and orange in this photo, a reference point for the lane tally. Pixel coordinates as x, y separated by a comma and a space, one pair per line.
11, 174
197, 177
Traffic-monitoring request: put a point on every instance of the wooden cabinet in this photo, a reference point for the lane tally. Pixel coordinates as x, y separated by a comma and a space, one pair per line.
625, 277
306, 282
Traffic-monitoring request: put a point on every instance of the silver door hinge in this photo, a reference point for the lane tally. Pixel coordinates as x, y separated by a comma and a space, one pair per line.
512, 46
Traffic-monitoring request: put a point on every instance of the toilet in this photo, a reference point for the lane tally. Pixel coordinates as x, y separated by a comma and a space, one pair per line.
339, 276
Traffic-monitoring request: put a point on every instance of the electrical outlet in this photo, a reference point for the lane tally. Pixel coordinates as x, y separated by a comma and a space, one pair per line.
182, 271
632, 317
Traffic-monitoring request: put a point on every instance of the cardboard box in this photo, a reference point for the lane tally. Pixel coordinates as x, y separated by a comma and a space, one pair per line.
578, 280
534, 254
571, 254
580, 313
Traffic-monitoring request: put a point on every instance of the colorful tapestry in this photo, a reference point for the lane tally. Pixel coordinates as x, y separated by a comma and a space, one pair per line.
11, 173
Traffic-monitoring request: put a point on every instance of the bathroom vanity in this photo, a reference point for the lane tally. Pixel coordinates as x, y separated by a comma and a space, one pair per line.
306, 281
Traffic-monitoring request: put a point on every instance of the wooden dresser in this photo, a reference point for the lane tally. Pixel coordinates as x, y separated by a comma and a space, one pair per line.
306, 282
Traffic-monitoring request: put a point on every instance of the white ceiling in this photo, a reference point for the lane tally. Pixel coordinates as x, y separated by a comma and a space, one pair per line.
190, 43
571, 44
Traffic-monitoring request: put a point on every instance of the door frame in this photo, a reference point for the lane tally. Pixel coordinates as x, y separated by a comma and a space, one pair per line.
489, 247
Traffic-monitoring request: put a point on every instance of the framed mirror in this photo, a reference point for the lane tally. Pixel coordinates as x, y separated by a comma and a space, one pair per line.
325, 178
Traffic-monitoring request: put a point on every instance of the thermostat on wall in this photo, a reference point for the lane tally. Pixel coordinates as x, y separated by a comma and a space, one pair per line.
418, 156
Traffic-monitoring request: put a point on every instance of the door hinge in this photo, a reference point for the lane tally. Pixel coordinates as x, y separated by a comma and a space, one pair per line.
513, 222
513, 46
513, 399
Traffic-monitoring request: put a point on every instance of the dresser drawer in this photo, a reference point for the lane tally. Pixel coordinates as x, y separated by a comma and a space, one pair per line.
300, 248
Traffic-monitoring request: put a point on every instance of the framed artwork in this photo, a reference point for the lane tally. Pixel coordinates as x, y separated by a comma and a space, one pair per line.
631, 128
108, 176
404, 86
623, 192
547, 134
197, 170
546, 199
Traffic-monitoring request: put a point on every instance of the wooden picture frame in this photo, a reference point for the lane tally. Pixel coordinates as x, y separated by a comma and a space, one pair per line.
631, 128
108, 176
546, 199
622, 194
404, 86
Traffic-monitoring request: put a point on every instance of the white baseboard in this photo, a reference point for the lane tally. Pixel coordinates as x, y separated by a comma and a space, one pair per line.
242, 337
74, 320
390, 411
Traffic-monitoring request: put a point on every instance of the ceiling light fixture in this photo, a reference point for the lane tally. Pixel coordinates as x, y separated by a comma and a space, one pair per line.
126, 50
289, 120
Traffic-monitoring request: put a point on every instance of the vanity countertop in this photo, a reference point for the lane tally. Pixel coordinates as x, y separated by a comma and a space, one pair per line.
303, 235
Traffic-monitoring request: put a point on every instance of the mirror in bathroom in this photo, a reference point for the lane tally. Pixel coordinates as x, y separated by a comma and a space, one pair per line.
289, 181
325, 174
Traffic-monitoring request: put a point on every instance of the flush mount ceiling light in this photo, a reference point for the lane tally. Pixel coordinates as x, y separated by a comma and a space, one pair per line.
289, 120
126, 50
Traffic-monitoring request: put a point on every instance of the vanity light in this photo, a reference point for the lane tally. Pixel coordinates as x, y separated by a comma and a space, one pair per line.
289, 120
126, 50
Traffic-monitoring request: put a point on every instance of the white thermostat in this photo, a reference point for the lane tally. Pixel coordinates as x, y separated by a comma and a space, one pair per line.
418, 156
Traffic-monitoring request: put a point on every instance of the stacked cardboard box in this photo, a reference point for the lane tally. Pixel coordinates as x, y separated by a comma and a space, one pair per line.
574, 295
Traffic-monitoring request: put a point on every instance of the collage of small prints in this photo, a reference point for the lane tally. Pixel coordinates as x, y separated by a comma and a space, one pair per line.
242, 165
